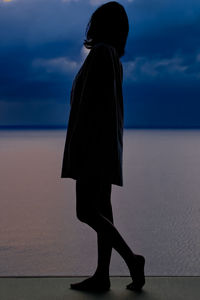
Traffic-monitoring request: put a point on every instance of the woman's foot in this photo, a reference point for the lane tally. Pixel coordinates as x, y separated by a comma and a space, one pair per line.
94, 284
137, 273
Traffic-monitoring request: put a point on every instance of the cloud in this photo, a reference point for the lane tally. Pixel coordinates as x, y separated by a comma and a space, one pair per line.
7, 1
35, 22
198, 57
56, 65
42, 48
174, 68
97, 2
68, 1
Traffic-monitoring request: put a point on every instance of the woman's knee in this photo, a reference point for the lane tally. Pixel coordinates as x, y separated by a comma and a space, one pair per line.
84, 201
85, 216
92, 200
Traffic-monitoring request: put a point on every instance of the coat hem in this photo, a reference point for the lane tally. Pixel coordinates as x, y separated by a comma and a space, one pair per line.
91, 178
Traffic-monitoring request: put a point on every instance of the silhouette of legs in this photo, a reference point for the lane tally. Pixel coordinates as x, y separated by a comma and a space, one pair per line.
103, 195
94, 208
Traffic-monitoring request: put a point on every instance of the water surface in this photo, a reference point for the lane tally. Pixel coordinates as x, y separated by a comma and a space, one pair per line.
157, 210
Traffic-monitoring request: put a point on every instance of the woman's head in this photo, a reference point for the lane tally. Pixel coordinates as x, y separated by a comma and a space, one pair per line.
109, 24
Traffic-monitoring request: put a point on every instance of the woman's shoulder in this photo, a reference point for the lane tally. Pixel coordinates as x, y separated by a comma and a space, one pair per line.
107, 51
103, 47
101, 58
100, 55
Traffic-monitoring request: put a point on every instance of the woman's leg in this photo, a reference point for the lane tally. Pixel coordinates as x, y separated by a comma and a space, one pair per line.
103, 200
96, 197
88, 211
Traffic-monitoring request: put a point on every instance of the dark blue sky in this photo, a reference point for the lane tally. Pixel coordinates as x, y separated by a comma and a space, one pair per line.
41, 51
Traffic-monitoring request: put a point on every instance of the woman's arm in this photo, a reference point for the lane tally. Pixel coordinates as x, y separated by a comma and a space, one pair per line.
98, 100
98, 92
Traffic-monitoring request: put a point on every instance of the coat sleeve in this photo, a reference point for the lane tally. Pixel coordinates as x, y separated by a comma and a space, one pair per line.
99, 100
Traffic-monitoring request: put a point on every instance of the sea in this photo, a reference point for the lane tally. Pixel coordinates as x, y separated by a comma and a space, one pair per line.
157, 210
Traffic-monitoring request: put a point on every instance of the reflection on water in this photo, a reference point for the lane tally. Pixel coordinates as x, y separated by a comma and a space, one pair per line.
157, 210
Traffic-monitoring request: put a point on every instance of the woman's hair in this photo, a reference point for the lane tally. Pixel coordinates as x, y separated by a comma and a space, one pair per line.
109, 24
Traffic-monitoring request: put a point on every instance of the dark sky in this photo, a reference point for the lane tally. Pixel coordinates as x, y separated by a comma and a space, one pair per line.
41, 49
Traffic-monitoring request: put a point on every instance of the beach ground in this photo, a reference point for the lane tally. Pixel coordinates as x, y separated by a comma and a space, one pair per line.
57, 288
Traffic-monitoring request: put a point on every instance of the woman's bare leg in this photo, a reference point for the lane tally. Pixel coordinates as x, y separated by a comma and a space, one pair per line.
88, 212
103, 244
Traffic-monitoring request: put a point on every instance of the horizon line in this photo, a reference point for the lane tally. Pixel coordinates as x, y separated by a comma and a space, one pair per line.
56, 127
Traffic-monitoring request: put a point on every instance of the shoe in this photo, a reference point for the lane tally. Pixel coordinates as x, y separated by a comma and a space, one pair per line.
138, 274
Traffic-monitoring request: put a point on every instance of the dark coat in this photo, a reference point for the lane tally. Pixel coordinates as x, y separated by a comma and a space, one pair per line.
94, 141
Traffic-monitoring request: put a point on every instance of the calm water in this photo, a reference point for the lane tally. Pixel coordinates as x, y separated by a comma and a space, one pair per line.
157, 210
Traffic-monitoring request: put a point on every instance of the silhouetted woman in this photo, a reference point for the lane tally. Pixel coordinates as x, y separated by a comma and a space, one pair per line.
94, 142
